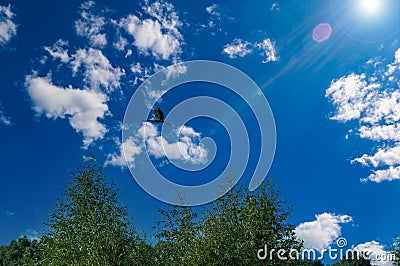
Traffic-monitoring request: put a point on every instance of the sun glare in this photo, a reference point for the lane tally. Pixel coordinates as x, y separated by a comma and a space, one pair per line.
370, 7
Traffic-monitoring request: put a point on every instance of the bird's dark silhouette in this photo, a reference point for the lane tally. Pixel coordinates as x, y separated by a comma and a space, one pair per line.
158, 116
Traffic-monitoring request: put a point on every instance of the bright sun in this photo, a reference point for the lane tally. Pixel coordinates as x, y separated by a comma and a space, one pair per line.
370, 7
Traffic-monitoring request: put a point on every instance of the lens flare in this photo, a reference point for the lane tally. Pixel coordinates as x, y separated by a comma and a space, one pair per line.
370, 7
322, 32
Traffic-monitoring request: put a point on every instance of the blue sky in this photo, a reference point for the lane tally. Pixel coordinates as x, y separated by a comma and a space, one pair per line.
329, 70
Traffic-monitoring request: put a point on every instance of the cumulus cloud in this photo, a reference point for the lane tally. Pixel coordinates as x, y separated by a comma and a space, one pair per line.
131, 146
394, 66
320, 233
241, 48
158, 35
98, 71
90, 26
238, 48
83, 108
186, 148
384, 156
351, 94
8, 28
372, 99
268, 50
388, 174
376, 252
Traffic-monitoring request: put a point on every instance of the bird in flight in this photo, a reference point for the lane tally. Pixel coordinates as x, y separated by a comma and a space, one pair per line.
158, 116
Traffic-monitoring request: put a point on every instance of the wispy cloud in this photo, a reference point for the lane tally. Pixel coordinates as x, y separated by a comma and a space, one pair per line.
241, 48
8, 28
320, 233
5, 120
59, 51
90, 26
275, 6
372, 99
213, 10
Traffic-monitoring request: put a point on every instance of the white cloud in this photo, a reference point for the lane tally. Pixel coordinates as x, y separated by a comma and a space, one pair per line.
212, 10
159, 35
141, 72
320, 233
268, 50
175, 71
238, 48
241, 48
351, 94
121, 43
132, 148
388, 174
8, 29
394, 66
5, 120
187, 148
384, 156
372, 99
90, 26
380, 132
98, 71
215, 18
376, 252
59, 51
82, 107
275, 6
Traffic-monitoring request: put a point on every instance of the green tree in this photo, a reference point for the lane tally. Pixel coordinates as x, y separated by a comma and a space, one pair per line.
88, 227
242, 222
230, 231
177, 236
21, 252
